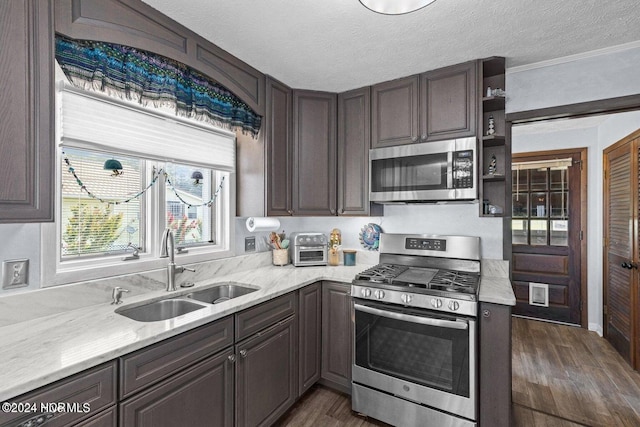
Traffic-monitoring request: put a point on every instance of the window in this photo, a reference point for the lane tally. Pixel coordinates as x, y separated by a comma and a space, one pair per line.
540, 203
176, 174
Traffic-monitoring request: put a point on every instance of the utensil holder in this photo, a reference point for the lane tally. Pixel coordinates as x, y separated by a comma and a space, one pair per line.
280, 257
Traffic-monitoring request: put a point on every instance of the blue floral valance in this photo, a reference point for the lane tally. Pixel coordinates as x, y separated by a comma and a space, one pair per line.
152, 79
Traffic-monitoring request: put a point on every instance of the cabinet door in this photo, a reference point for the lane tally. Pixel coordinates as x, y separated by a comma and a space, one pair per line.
448, 102
278, 143
200, 395
395, 112
266, 374
26, 103
337, 339
314, 153
354, 138
310, 335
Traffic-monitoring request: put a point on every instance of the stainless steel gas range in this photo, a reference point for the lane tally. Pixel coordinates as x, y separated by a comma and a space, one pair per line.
415, 360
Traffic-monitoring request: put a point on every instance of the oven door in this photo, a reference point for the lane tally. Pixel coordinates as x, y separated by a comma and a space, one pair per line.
420, 355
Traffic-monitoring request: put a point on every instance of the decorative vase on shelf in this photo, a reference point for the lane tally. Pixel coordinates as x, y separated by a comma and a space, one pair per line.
492, 164
491, 126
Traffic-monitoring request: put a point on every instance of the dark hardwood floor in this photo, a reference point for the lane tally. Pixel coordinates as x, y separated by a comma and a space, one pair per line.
563, 376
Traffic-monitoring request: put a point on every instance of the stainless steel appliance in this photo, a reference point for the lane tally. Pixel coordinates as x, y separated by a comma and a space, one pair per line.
415, 360
308, 249
424, 172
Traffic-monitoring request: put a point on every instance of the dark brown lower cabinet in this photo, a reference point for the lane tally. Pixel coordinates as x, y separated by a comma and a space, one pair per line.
108, 418
200, 395
266, 374
309, 336
336, 336
495, 362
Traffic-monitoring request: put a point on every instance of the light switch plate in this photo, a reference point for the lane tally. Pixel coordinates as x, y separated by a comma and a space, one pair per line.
250, 244
15, 273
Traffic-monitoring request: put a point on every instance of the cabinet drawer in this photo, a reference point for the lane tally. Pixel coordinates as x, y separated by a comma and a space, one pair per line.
108, 418
149, 365
266, 314
85, 393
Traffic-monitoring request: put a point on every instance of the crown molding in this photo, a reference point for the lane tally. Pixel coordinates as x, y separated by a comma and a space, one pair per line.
574, 58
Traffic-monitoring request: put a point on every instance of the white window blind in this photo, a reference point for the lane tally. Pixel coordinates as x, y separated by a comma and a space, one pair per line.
95, 121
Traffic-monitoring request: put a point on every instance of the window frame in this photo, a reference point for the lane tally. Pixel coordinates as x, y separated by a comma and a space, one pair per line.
55, 272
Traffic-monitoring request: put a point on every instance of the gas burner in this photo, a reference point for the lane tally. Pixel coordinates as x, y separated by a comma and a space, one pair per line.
381, 273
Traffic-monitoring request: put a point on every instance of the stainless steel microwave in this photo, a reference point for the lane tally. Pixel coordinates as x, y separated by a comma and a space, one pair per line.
424, 172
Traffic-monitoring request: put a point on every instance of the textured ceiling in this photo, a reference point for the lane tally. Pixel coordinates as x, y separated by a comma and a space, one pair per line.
336, 45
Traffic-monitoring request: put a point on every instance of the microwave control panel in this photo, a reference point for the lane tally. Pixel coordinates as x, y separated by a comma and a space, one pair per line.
463, 169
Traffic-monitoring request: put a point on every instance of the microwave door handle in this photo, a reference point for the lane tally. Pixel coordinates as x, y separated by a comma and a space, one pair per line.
440, 323
450, 169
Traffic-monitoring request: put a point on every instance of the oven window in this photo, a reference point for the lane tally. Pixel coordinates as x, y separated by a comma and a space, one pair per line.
433, 356
311, 255
412, 173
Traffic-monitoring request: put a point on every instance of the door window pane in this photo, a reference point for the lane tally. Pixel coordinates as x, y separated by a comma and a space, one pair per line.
559, 233
519, 232
520, 181
559, 204
538, 179
559, 179
520, 205
538, 232
539, 205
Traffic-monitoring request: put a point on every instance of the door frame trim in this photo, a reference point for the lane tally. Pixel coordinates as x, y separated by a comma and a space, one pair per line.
583, 152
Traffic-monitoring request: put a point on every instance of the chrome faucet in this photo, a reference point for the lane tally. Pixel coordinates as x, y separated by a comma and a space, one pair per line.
167, 249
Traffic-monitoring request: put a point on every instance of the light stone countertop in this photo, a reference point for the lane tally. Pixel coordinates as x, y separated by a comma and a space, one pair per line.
45, 349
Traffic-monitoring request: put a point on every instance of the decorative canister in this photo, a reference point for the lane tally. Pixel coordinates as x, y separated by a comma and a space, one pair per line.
335, 240
349, 256
280, 257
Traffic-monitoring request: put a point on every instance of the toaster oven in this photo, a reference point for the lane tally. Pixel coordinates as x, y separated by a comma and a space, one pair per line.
309, 248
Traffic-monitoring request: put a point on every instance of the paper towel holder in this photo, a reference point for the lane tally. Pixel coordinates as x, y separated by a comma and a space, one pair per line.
259, 224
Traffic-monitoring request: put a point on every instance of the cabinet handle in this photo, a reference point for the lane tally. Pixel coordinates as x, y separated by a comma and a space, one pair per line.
243, 353
37, 420
342, 210
332, 211
232, 358
423, 138
414, 139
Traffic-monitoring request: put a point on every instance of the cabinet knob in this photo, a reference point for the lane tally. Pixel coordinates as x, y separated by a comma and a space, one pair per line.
342, 210
423, 138
414, 139
486, 313
232, 358
289, 211
243, 353
332, 211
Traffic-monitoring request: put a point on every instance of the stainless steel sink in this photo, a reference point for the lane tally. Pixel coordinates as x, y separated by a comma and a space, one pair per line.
220, 293
160, 310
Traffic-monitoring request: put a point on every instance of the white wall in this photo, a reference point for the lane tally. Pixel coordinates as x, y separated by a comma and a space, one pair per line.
594, 134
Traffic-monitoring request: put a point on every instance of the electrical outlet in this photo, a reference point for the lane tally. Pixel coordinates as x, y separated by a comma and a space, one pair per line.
250, 244
15, 273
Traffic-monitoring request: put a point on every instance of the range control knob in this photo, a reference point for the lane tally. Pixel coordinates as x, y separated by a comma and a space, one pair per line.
436, 302
379, 293
454, 305
405, 298
366, 292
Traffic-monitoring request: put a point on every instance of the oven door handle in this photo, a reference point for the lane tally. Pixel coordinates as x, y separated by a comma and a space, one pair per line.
450, 324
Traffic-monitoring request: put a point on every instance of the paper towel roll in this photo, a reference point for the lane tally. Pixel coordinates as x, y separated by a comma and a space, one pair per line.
262, 224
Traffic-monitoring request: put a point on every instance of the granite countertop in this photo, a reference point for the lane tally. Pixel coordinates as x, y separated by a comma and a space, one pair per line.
42, 350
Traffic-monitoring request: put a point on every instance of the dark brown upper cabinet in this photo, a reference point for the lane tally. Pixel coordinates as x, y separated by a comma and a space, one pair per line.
448, 102
432, 106
278, 147
314, 153
26, 101
354, 139
395, 112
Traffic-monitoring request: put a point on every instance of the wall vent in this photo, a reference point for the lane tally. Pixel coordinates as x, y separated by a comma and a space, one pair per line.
539, 294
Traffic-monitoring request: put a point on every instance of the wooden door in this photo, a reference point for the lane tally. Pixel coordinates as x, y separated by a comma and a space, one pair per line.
314, 153
448, 102
337, 340
309, 336
26, 100
621, 313
394, 107
266, 374
548, 235
202, 392
278, 147
354, 138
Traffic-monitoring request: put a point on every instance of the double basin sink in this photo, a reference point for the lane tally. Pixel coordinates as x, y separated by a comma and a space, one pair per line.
177, 306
